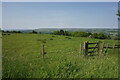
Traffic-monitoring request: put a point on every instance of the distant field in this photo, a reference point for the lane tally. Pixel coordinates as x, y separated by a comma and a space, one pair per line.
108, 31
22, 57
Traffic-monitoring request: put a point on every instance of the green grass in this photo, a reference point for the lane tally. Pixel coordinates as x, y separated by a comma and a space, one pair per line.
0, 55
22, 58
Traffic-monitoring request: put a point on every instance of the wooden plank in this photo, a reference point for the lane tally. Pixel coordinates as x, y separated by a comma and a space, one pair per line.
108, 47
112, 47
92, 51
92, 47
92, 43
117, 45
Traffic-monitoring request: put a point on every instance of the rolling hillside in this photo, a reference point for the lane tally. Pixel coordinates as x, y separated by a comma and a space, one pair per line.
22, 58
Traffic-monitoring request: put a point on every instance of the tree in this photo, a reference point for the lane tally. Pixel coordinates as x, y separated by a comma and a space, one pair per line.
101, 36
95, 35
34, 32
3, 31
75, 33
56, 33
118, 14
19, 32
61, 32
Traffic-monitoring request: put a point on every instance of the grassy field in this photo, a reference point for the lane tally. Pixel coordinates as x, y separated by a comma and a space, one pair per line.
0, 55
22, 58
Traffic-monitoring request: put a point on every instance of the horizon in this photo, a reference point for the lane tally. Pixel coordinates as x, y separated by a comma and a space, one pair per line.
35, 15
56, 28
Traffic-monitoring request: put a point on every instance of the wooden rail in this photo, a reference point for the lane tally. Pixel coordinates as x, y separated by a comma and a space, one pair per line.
92, 47
86, 48
104, 49
92, 43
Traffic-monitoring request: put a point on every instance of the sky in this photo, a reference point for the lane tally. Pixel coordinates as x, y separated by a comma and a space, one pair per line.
0, 15
34, 15
59, 0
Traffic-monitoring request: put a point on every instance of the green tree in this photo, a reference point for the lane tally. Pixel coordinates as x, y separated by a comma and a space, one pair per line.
34, 32
56, 33
75, 33
3, 31
118, 14
94, 35
61, 32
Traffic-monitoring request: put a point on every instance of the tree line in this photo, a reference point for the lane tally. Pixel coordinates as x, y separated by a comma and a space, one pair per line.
74, 34
82, 34
35, 32
11, 31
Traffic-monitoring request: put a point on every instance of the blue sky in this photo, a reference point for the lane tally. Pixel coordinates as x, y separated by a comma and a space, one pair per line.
0, 14
60, 0
33, 15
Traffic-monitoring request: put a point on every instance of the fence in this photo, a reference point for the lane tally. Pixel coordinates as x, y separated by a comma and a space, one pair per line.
87, 48
97, 46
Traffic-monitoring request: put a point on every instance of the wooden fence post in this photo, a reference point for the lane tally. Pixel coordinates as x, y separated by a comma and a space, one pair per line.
43, 53
85, 48
80, 49
98, 48
102, 48
113, 48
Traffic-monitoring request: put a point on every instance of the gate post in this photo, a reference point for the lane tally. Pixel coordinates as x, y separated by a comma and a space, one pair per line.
102, 48
85, 48
98, 47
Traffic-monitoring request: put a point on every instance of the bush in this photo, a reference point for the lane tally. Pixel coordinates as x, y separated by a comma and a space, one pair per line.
100, 36
53, 36
80, 34
38, 39
34, 32
51, 39
43, 41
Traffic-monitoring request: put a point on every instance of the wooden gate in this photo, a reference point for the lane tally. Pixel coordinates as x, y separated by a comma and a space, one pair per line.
86, 48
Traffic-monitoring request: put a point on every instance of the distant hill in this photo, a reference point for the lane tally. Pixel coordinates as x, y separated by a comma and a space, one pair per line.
111, 32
